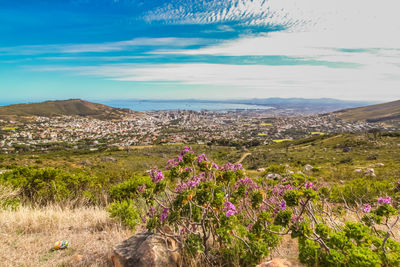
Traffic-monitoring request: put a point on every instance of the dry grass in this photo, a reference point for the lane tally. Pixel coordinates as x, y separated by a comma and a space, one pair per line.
28, 234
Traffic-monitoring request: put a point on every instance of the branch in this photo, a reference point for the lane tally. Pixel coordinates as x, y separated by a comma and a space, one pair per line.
388, 234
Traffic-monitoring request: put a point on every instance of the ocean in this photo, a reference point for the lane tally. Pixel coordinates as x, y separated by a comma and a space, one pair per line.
148, 105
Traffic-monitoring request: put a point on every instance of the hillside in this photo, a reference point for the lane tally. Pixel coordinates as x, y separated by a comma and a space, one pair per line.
386, 112
69, 107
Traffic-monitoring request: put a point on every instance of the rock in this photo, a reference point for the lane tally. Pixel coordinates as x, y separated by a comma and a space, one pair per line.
378, 165
370, 172
110, 159
358, 170
261, 169
347, 149
308, 167
86, 162
145, 249
273, 176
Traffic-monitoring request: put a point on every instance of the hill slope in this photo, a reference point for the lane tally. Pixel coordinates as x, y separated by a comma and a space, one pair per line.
375, 113
69, 107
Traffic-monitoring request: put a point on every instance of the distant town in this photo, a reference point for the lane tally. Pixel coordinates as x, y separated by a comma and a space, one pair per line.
233, 128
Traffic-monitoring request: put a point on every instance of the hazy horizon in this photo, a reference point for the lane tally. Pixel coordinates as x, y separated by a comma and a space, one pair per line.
220, 100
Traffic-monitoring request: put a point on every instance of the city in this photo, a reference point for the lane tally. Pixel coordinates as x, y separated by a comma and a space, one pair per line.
232, 128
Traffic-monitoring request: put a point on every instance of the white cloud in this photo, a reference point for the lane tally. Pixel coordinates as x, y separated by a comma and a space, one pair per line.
103, 47
259, 80
246, 12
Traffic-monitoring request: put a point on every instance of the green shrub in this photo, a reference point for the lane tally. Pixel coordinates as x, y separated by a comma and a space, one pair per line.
42, 185
125, 212
218, 214
361, 190
131, 188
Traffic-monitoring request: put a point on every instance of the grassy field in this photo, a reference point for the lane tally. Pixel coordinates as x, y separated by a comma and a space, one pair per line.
29, 231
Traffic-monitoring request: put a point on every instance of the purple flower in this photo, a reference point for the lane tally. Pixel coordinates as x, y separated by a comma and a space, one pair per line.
164, 214
173, 162
190, 184
384, 200
283, 205
201, 158
187, 149
228, 167
156, 175
246, 181
367, 208
309, 185
229, 208
230, 213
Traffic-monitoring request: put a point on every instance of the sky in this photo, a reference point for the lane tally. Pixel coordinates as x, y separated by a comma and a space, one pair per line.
204, 49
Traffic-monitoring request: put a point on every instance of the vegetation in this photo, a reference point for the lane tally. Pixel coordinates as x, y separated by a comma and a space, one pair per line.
219, 215
318, 191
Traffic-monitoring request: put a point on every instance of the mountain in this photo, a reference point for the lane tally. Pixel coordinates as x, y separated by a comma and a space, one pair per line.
386, 112
304, 105
294, 105
71, 107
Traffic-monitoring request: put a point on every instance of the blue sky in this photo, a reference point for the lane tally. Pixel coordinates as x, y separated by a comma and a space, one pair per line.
121, 49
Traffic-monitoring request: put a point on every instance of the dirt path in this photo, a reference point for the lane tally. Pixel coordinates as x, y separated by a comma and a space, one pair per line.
243, 157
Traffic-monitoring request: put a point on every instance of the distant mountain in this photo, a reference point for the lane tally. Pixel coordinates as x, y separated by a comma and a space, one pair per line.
386, 112
318, 105
69, 107
300, 105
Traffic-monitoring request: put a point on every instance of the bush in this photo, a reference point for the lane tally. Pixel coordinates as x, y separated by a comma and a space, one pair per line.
42, 185
125, 212
131, 188
361, 190
218, 214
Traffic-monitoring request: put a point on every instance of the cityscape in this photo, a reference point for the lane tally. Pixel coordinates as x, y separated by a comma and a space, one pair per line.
231, 128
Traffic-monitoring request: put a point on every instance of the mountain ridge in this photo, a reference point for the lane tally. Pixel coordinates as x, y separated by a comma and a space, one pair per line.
385, 112
70, 107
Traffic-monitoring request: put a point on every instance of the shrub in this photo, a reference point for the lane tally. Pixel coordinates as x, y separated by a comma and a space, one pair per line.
125, 212
132, 188
361, 190
218, 213
44, 185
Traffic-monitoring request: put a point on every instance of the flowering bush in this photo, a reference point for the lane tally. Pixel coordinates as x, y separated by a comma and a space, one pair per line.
221, 216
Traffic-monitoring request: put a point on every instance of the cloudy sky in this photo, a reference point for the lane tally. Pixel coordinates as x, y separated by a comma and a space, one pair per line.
208, 49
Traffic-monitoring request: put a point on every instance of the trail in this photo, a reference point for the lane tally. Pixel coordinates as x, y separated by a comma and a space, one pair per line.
243, 157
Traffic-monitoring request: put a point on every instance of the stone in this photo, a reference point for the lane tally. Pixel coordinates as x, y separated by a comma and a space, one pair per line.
146, 249
378, 165
347, 149
273, 176
370, 172
110, 159
86, 162
261, 169
308, 167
